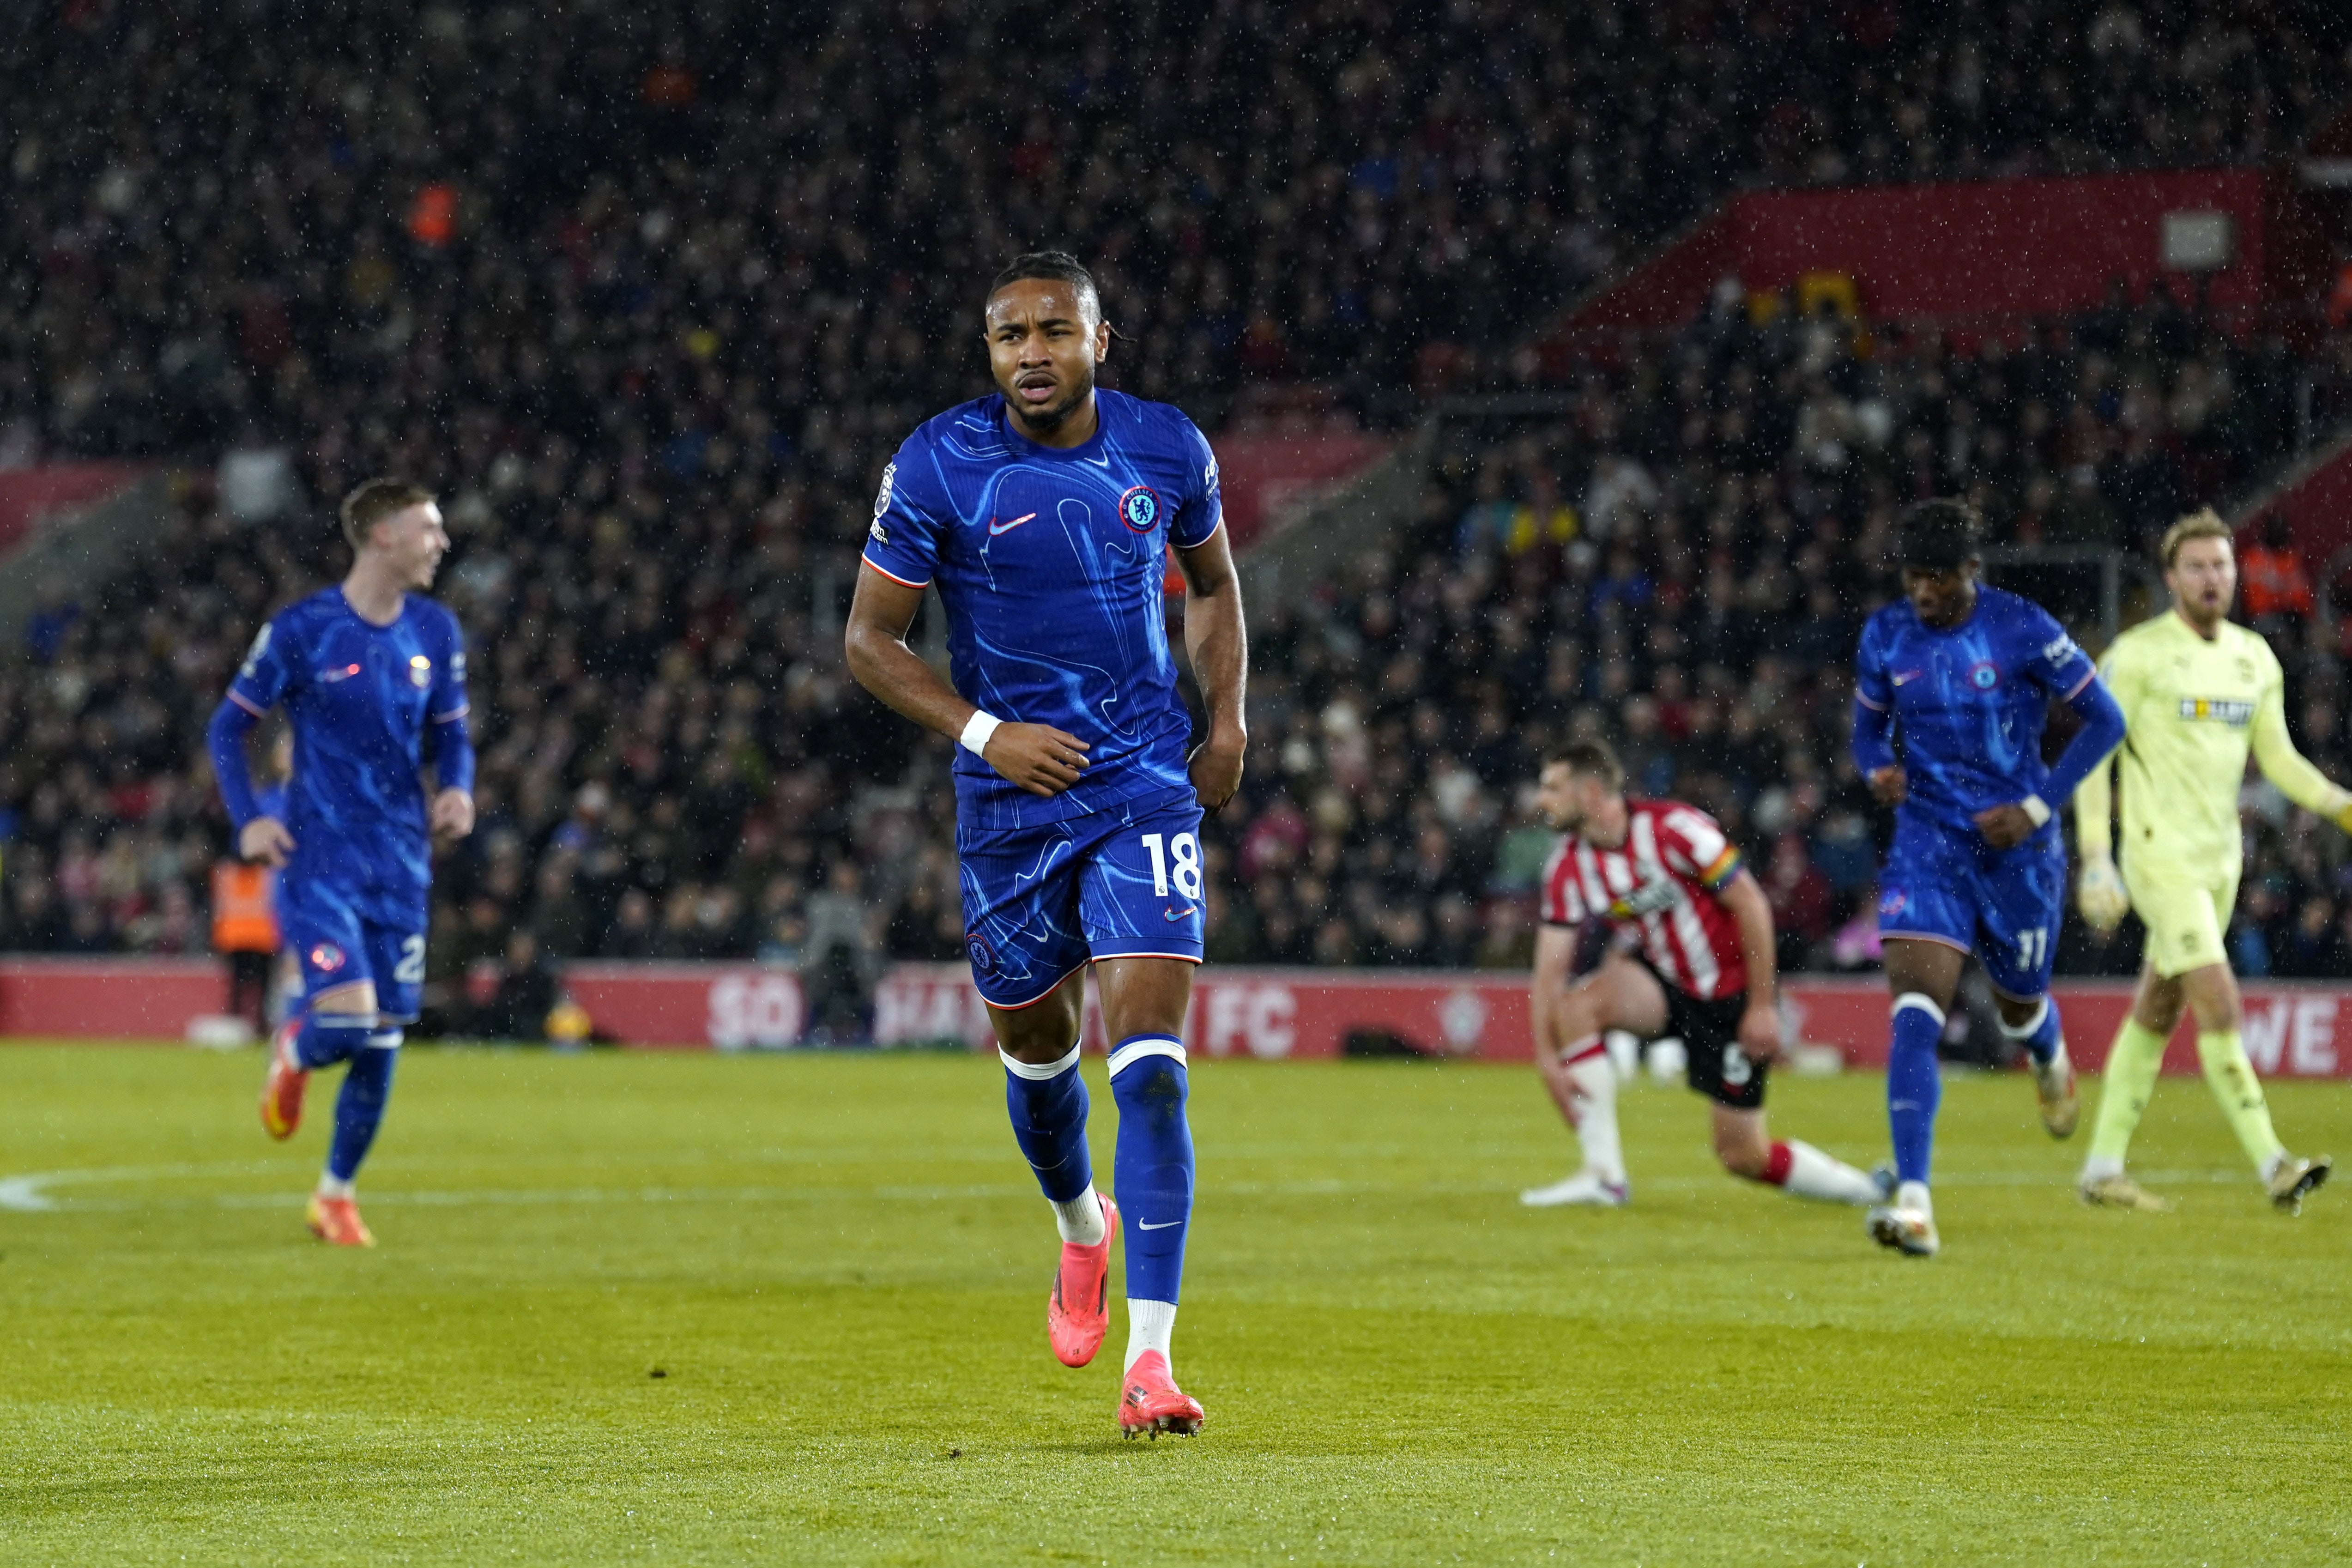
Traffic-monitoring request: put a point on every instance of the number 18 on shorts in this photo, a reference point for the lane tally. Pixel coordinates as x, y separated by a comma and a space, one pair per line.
1040, 901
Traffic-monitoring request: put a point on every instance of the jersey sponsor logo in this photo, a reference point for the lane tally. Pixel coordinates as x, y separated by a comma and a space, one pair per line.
1646, 900
882, 498
458, 668
996, 528
325, 957
1209, 476
1138, 507
881, 535
1984, 675
420, 671
2218, 711
2058, 649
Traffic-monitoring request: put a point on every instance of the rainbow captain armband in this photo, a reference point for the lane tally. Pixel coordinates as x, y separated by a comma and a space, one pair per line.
1716, 876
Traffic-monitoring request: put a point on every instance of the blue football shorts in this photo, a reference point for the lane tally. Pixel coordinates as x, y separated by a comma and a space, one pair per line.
2003, 905
338, 945
1038, 902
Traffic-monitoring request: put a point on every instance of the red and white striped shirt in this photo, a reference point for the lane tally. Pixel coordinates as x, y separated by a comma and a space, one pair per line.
1665, 882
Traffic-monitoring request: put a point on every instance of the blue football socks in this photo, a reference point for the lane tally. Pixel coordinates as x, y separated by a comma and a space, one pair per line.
1049, 1106
359, 1107
1914, 1088
2039, 1034
327, 1038
1154, 1164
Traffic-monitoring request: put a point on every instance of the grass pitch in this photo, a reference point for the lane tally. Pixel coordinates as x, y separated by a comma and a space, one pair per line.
838, 1265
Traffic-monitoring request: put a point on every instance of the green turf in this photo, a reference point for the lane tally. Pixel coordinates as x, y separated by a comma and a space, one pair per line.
840, 1265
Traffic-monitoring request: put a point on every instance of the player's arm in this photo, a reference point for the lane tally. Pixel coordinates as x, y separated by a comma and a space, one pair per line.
2099, 889
260, 682
1218, 645
2290, 770
1037, 757
1759, 1026
1874, 725
1555, 956
2009, 825
452, 813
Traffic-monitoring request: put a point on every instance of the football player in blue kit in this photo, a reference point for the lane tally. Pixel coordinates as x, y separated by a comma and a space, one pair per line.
1043, 514
372, 675
1961, 677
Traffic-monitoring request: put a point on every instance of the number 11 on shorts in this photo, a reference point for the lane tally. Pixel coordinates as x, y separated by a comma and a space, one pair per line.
1187, 852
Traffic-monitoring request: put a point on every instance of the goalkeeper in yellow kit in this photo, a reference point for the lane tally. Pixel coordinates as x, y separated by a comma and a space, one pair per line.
2197, 693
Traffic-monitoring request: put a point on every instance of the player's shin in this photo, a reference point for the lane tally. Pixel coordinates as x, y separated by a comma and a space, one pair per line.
1914, 1085
2222, 1053
1154, 1182
1048, 1103
2126, 1084
1586, 1089
359, 1109
1805, 1172
2040, 1034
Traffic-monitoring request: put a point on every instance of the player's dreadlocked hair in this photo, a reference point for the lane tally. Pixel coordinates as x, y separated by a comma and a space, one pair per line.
1936, 536
1591, 760
1056, 266
374, 499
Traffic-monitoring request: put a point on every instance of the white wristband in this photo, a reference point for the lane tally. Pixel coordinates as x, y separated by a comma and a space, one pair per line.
975, 735
2037, 808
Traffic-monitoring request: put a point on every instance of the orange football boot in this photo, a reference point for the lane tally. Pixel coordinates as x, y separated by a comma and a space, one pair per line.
282, 1086
1149, 1401
336, 1222
1077, 1310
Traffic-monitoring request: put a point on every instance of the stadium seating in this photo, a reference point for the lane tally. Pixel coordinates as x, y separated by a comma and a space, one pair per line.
649, 294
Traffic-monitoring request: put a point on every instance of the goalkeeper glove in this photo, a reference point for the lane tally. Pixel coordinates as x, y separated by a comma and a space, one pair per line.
2100, 895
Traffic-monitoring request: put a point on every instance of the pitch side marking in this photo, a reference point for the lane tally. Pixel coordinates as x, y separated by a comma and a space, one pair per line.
29, 1195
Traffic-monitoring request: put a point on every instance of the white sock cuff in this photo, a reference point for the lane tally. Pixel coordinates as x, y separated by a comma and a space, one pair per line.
386, 1039
1925, 1004
2025, 1031
1036, 1073
1135, 1049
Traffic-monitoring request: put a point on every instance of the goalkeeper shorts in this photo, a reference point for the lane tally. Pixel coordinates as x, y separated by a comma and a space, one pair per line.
2186, 915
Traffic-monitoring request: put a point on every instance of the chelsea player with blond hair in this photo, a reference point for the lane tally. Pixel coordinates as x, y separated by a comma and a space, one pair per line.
372, 675
2198, 694
1045, 515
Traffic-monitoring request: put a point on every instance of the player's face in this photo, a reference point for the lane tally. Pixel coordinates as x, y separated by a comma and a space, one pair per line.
2203, 578
1044, 342
1941, 598
1555, 799
414, 541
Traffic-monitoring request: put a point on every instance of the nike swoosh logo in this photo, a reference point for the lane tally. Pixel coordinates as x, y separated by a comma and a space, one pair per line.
1098, 462
1178, 914
330, 677
1906, 677
995, 527
1164, 1224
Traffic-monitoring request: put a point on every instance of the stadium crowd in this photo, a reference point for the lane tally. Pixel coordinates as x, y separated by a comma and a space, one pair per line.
648, 294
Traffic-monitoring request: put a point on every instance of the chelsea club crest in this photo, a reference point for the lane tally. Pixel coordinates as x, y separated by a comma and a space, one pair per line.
1138, 507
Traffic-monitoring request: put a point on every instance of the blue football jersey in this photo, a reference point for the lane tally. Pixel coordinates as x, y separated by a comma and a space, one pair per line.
1051, 567
1969, 703
367, 705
